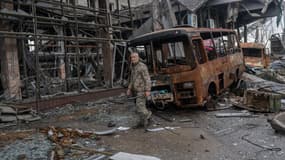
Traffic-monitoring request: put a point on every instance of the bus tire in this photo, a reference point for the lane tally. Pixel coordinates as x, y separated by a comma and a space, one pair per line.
160, 106
212, 93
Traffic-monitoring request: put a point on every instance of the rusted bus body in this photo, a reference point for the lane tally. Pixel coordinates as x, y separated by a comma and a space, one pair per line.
185, 69
255, 55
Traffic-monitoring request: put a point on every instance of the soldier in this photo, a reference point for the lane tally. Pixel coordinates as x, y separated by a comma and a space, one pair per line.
139, 86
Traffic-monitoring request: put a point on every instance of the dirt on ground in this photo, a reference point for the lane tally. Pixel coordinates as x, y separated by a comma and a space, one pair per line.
175, 134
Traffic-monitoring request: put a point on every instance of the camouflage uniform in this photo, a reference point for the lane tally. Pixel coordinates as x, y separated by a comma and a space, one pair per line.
140, 83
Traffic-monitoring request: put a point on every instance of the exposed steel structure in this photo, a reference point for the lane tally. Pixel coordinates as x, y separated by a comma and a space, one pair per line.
63, 45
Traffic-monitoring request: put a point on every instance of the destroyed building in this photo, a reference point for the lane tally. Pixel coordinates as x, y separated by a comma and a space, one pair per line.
50, 48
64, 72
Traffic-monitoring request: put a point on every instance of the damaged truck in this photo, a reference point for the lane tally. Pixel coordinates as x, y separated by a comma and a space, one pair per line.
255, 55
189, 65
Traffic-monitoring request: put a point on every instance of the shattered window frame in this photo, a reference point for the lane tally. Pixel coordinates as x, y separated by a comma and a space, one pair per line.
209, 45
198, 50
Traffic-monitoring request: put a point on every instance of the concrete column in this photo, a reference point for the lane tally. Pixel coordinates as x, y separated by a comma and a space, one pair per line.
106, 47
155, 16
10, 74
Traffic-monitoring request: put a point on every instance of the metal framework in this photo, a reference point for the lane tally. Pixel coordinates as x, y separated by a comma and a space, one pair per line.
64, 46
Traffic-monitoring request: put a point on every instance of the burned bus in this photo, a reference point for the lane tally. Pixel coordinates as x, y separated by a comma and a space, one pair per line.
189, 65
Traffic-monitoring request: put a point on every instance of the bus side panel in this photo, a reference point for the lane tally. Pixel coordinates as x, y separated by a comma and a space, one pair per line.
236, 62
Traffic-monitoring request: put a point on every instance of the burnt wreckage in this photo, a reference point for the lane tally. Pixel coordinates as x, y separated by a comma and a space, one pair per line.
66, 47
190, 64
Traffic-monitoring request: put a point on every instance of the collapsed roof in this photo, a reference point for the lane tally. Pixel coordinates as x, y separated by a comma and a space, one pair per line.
246, 11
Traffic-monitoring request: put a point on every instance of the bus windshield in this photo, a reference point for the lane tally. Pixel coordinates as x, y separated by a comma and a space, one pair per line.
165, 54
252, 52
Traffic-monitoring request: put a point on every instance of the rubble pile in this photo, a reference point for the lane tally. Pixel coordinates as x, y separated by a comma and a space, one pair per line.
73, 143
100, 112
12, 114
35, 146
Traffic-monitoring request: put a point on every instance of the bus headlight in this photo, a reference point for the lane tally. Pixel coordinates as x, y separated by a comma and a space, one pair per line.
188, 85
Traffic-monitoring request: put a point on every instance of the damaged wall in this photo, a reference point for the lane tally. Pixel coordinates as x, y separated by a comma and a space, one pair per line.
10, 74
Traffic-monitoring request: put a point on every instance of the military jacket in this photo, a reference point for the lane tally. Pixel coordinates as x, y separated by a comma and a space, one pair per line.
139, 80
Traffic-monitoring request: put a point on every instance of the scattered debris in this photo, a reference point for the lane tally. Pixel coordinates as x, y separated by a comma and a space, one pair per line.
224, 131
262, 96
185, 120
170, 129
111, 124
66, 138
15, 135
81, 148
7, 110
278, 122
262, 101
234, 128
123, 128
128, 156
202, 136
224, 115
222, 106
4, 125
8, 118
52, 155
12, 114
108, 132
30, 144
22, 157
96, 157
258, 145
163, 117
155, 129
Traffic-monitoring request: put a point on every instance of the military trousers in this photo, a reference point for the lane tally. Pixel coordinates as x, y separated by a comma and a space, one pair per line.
141, 109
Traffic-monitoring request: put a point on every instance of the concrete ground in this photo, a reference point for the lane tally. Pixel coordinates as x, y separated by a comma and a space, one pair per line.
196, 135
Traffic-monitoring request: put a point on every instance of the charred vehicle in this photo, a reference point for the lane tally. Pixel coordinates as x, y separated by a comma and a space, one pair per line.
189, 65
255, 55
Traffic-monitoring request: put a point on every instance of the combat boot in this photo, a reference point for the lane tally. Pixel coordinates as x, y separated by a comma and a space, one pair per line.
147, 120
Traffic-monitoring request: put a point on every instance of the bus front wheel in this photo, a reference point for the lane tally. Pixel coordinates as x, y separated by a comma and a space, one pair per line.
212, 96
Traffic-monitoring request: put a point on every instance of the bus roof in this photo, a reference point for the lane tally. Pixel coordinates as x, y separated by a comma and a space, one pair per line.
173, 33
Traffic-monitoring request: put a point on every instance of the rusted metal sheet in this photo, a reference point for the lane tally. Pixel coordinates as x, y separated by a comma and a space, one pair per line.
60, 101
262, 101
